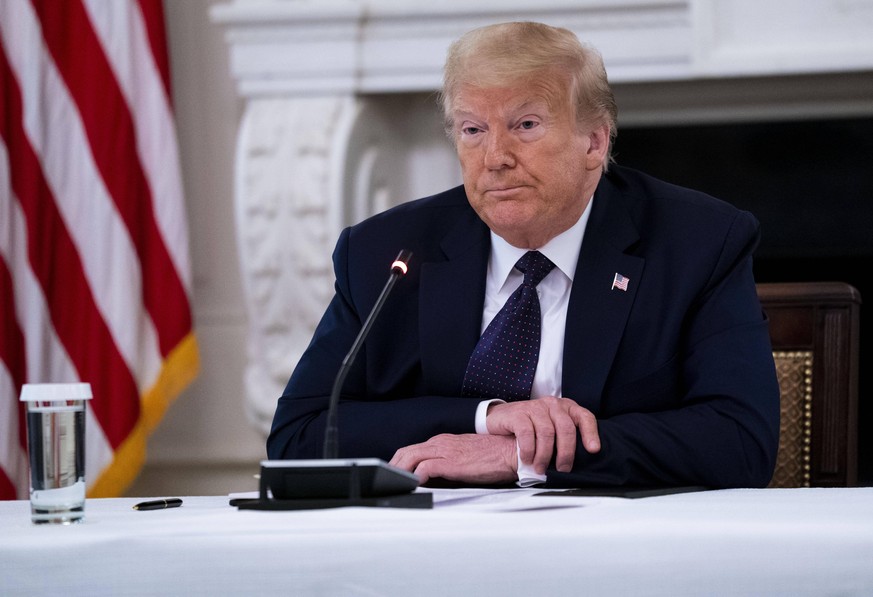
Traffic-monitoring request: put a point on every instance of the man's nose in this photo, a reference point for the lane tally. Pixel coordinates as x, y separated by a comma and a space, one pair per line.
499, 150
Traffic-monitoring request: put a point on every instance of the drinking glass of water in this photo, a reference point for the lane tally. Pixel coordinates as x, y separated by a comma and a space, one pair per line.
56, 450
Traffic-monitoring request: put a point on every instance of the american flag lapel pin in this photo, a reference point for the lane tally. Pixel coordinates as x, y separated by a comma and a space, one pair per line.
619, 282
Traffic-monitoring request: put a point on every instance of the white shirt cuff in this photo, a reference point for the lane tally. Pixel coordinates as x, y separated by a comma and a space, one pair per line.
527, 476
481, 413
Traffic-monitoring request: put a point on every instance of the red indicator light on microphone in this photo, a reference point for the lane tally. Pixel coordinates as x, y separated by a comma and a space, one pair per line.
400, 265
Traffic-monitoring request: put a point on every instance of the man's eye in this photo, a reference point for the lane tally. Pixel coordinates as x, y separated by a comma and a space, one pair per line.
470, 130
527, 124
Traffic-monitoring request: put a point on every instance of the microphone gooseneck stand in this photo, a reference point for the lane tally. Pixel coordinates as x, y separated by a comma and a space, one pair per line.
333, 482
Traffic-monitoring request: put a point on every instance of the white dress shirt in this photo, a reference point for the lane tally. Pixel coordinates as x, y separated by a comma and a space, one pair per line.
554, 294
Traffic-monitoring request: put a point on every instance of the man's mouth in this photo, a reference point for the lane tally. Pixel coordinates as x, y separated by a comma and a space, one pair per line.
503, 190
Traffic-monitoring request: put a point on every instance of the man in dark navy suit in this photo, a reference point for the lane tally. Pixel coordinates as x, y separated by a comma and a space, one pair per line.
652, 364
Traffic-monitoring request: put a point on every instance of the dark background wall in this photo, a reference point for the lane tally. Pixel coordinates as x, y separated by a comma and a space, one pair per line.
809, 182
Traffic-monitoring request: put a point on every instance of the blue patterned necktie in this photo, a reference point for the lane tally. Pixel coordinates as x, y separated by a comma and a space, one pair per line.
505, 359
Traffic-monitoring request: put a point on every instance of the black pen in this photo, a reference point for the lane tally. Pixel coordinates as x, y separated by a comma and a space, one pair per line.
159, 504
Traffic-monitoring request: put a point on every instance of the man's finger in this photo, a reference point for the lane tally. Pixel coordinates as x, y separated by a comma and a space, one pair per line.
408, 458
545, 448
525, 436
565, 442
587, 424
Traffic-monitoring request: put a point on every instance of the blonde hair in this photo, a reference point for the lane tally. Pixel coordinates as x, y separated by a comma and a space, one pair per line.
506, 53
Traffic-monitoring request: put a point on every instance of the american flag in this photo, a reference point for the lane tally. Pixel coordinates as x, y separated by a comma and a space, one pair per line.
619, 282
95, 279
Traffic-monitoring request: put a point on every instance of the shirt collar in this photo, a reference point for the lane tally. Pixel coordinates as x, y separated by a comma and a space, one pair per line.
563, 251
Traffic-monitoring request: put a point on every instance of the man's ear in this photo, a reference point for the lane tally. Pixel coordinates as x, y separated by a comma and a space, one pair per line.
598, 146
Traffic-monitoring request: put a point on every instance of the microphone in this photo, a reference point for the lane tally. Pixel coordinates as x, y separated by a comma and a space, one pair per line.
333, 482
398, 269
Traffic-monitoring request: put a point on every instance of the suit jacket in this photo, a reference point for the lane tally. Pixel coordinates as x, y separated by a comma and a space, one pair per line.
678, 369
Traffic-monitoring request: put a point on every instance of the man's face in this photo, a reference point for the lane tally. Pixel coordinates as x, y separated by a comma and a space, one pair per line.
529, 169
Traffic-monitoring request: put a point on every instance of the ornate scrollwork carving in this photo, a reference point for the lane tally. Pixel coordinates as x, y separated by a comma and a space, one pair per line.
306, 167
285, 231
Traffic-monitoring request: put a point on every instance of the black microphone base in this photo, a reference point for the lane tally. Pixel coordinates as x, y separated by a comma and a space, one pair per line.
334, 483
409, 500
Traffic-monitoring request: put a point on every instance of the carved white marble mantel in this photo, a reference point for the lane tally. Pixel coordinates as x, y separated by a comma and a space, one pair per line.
340, 121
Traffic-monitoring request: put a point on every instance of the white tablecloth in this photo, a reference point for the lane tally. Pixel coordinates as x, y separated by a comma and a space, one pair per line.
736, 542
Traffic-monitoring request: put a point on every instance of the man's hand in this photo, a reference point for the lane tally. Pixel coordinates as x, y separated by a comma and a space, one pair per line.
469, 458
543, 427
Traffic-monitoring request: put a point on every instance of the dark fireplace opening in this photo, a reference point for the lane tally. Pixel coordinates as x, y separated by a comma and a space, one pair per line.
809, 182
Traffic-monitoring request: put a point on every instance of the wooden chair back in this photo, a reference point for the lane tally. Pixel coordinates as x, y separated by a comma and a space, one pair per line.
814, 329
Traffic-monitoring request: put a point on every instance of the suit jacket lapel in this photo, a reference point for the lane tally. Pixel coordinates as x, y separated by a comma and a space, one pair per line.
597, 312
450, 305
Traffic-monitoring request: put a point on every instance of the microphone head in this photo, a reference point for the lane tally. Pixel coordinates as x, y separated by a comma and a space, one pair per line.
401, 263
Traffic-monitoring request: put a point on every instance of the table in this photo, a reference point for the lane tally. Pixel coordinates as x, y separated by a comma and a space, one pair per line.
515, 542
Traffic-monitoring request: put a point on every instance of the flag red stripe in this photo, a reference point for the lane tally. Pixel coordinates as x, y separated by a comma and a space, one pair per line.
111, 133
7, 488
58, 268
12, 351
11, 339
153, 14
